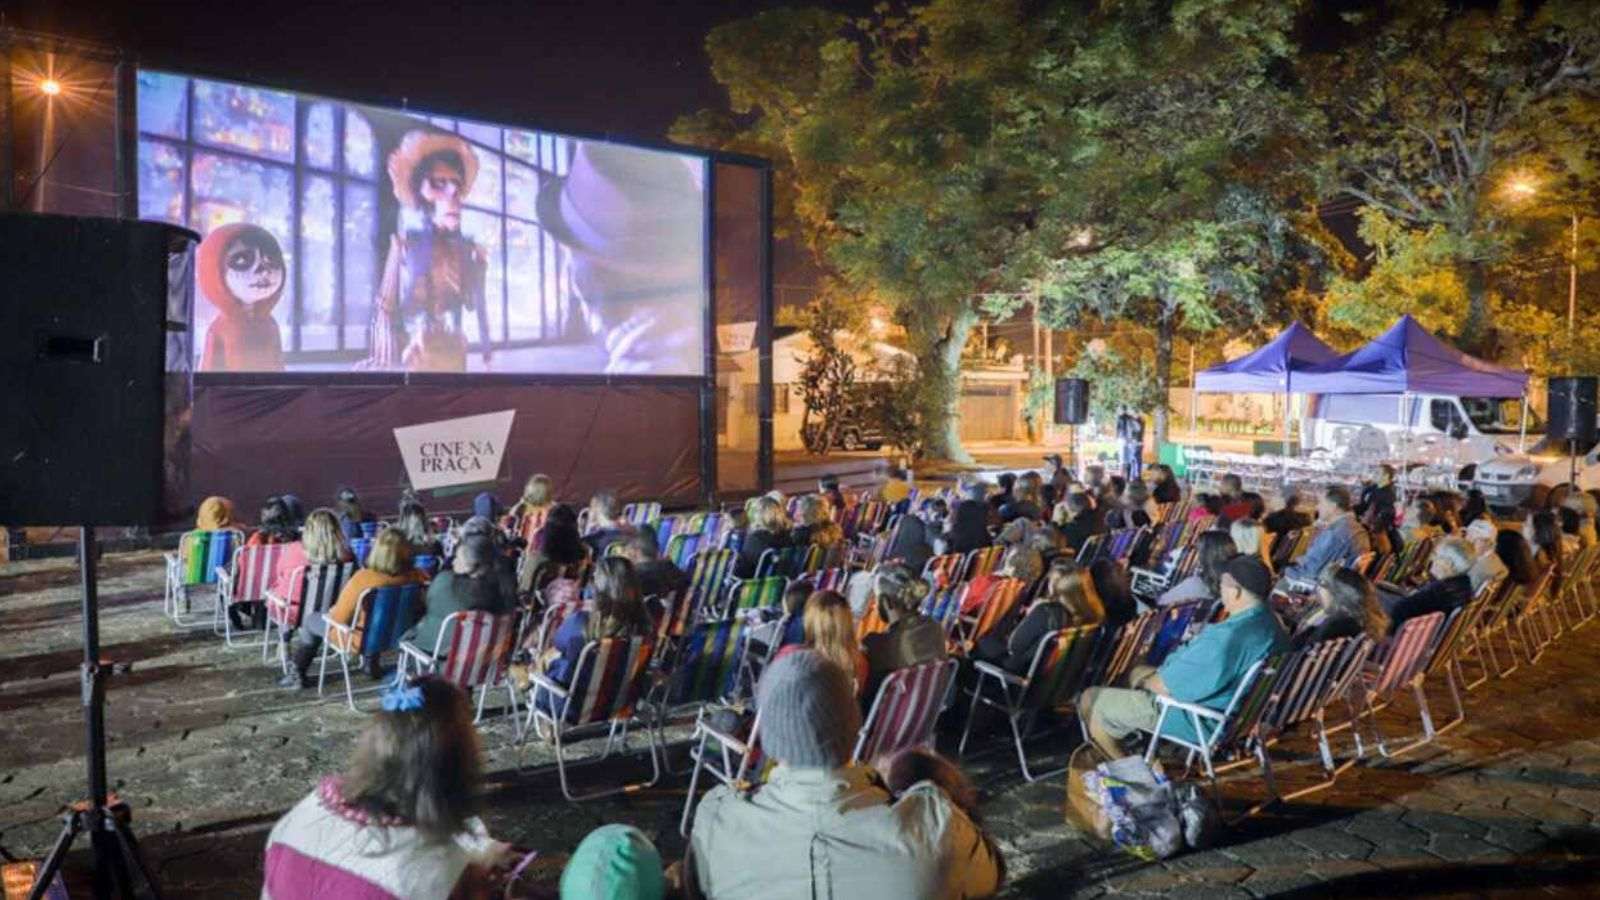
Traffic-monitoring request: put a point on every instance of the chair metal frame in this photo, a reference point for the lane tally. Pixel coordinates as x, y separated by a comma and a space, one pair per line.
1022, 697
617, 722
493, 662
367, 645
249, 572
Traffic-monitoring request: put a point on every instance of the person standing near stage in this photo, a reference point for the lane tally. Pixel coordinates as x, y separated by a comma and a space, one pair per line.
433, 273
1130, 431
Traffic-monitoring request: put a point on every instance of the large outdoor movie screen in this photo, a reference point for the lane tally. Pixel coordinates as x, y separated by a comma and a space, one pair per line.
339, 237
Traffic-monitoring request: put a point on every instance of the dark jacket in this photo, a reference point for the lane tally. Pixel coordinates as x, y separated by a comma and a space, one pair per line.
659, 578
757, 542
1166, 492
1014, 653
1077, 531
1439, 595
910, 544
912, 640
968, 528
1284, 521
1325, 630
451, 593
1121, 517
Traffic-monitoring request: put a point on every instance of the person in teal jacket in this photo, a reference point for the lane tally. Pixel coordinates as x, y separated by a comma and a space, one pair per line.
1206, 671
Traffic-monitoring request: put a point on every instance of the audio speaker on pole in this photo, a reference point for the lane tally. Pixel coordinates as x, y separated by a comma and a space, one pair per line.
95, 362
1072, 401
1572, 409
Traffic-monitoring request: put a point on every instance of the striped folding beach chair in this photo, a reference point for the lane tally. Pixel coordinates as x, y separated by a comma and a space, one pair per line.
943, 605
1396, 665
997, 604
608, 684
195, 563
1217, 733
944, 570
1090, 551
312, 592
1060, 670
982, 561
736, 762
472, 652
831, 579
242, 582
381, 614
681, 549
640, 515
906, 709
757, 593
708, 582
705, 671
1121, 656
1172, 625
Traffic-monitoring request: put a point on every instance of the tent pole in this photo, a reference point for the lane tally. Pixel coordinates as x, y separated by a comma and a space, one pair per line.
1522, 428
1283, 478
1194, 394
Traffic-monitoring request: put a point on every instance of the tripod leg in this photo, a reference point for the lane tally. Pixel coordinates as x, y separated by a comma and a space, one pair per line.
58, 854
134, 872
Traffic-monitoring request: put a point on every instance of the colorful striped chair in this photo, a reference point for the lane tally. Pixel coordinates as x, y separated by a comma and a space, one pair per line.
195, 562
1397, 665
1060, 669
312, 591
705, 670
381, 615
997, 603
757, 593
907, 708
361, 546
944, 606
708, 580
640, 515
608, 684
245, 580
944, 570
472, 652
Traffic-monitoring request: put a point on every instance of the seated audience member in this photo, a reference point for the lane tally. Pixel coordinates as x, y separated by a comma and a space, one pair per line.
1487, 566
1376, 502
769, 530
1449, 588
911, 637
830, 630
657, 577
351, 514
1027, 499
1447, 511
297, 511
909, 545
505, 564
1288, 517
1584, 505
470, 584
1571, 529
388, 565
965, 530
1250, 539
402, 821
1515, 555
1213, 552
1068, 600
1347, 606
1543, 535
1474, 508
1419, 522
933, 511
1006, 483
538, 495
560, 554
614, 862
1234, 503
618, 611
1058, 478
1132, 510
1206, 671
814, 524
487, 506
1166, 489
276, 525
321, 542
1076, 521
1025, 562
605, 527
1339, 540
1208, 506
822, 826
1113, 586
214, 514
828, 486
896, 489
414, 524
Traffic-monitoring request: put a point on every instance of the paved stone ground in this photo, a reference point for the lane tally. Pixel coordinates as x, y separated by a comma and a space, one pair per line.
209, 754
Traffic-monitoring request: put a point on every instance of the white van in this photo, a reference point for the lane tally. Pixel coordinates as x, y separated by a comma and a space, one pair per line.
1443, 430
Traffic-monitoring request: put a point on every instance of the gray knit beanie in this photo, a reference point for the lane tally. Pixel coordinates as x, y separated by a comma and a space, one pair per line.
809, 716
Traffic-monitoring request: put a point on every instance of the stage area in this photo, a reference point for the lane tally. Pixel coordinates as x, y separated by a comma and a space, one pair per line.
209, 754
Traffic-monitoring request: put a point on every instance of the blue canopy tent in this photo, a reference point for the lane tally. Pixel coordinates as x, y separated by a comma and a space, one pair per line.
1273, 368
1407, 360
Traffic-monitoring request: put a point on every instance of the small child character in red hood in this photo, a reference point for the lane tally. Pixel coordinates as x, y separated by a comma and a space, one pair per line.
242, 274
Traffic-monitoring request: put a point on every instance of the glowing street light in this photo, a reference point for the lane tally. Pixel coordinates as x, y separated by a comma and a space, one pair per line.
50, 87
1521, 187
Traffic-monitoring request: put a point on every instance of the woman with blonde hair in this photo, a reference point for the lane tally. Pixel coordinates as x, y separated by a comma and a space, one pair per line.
814, 524
538, 495
830, 630
321, 543
388, 565
1068, 599
769, 530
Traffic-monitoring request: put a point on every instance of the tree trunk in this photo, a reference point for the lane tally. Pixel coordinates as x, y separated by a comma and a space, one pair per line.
944, 427
1475, 330
1165, 328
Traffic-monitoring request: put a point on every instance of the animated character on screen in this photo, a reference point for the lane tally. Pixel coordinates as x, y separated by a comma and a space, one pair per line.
634, 223
241, 272
433, 273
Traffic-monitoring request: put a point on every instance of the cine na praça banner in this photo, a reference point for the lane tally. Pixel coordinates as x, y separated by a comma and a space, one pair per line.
339, 237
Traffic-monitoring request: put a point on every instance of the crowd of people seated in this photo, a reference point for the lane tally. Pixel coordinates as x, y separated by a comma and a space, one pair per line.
1269, 577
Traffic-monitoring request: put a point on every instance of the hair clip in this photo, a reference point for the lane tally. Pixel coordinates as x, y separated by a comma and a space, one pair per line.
402, 698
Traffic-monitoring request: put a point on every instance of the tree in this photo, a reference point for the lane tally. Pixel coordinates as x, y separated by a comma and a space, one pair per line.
1424, 111
1118, 381
828, 375
891, 132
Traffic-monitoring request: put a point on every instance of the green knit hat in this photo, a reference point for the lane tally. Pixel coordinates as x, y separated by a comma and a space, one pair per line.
615, 862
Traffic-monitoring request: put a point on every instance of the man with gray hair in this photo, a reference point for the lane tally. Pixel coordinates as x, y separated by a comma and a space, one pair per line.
1449, 588
823, 826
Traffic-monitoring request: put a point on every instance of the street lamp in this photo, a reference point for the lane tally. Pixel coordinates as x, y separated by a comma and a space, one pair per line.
1521, 187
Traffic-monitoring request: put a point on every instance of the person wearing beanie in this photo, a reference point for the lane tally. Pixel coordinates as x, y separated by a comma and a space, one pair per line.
614, 862
1205, 671
822, 826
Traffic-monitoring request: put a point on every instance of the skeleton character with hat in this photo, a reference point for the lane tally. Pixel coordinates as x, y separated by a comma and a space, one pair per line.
433, 273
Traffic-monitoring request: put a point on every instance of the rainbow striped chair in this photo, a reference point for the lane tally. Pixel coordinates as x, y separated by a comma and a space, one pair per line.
608, 686
906, 709
1060, 669
195, 562
472, 652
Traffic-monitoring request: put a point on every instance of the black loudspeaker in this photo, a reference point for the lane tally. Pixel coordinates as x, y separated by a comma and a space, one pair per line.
1072, 401
95, 362
1571, 402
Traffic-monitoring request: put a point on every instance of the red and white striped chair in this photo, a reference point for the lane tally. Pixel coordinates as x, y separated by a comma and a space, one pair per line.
906, 709
608, 681
1396, 665
244, 580
312, 591
943, 571
472, 652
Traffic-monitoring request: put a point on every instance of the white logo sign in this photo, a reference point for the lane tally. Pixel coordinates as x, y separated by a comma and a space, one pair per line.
455, 451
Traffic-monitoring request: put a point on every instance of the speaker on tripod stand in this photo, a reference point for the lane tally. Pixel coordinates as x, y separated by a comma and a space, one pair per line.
1571, 402
1072, 408
95, 361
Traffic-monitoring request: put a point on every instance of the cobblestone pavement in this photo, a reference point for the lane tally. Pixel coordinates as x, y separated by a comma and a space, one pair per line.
209, 754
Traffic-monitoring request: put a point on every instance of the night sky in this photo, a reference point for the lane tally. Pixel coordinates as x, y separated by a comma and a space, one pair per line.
625, 70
